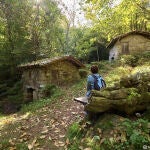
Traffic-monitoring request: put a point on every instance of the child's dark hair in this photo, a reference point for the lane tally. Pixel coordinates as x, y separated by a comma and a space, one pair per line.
94, 69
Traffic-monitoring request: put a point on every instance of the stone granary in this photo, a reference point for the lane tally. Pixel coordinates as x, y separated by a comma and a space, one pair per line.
58, 71
129, 43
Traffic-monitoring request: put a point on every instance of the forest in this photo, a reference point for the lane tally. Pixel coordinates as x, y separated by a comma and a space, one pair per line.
31, 30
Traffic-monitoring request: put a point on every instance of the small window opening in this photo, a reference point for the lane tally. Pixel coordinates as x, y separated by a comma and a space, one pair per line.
125, 48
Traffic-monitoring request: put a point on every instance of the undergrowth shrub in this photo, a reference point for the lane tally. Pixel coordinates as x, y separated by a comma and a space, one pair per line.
133, 135
74, 131
12, 94
137, 133
49, 90
74, 135
130, 60
133, 95
11, 98
102, 65
3, 89
144, 58
83, 73
116, 74
145, 54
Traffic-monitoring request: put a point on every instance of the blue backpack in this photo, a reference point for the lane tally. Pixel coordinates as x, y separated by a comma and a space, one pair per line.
99, 82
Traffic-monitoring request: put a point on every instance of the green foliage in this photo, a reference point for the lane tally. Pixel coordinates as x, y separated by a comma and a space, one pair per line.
98, 52
52, 92
105, 125
29, 30
144, 57
74, 131
83, 73
74, 134
131, 60
84, 43
21, 146
116, 73
102, 65
4, 144
34, 106
57, 93
137, 133
107, 144
3, 89
49, 90
146, 114
146, 54
13, 94
111, 18
133, 95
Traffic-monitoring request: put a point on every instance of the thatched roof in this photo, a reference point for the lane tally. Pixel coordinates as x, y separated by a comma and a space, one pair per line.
118, 38
47, 61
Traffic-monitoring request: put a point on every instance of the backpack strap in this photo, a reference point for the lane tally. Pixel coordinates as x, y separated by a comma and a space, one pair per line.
94, 76
103, 83
96, 86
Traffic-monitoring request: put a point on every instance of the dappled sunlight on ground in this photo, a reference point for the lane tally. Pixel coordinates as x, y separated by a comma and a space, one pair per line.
9, 119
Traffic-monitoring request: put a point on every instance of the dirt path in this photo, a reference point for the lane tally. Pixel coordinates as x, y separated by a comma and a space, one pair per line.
44, 130
59, 118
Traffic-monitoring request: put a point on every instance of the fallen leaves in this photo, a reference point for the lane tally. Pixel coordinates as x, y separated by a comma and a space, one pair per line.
43, 137
61, 136
45, 130
23, 135
67, 141
74, 113
30, 146
59, 143
57, 130
11, 142
12, 148
88, 148
48, 126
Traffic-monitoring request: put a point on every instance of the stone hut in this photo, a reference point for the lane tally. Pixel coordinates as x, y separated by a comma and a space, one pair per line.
129, 43
58, 71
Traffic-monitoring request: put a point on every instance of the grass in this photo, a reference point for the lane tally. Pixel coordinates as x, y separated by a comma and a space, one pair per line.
1, 115
13, 124
132, 134
76, 133
127, 134
36, 105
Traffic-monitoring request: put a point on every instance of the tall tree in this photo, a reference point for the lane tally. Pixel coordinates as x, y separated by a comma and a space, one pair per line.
14, 34
28, 31
112, 17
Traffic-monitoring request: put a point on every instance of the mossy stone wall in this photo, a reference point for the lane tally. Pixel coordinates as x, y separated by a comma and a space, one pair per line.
60, 73
136, 43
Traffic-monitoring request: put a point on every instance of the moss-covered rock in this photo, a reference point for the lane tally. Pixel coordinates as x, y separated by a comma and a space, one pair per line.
131, 94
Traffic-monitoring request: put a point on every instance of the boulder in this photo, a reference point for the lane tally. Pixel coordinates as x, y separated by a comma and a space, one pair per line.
132, 94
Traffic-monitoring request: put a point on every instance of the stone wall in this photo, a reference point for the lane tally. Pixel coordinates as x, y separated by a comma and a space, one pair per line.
30, 79
137, 43
59, 73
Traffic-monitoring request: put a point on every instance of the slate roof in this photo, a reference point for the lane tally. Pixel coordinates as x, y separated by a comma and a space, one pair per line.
143, 33
47, 61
